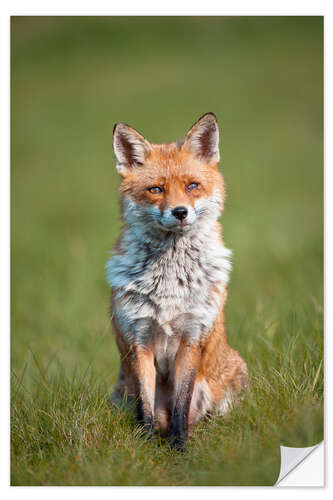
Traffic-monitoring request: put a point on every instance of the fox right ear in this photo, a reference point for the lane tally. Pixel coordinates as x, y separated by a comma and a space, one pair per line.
130, 147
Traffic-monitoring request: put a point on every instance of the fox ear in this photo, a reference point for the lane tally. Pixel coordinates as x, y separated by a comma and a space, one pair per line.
203, 139
130, 147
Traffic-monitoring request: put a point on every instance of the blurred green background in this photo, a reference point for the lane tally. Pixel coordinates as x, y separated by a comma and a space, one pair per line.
72, 78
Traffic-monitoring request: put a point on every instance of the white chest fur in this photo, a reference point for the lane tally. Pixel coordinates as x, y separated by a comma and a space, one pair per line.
173, 281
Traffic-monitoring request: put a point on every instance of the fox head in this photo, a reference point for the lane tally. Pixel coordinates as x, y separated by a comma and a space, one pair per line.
170, 187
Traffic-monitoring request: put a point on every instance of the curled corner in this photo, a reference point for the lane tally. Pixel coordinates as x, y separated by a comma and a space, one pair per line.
291, 458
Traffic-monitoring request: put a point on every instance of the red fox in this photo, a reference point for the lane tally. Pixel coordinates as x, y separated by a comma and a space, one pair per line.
169, 274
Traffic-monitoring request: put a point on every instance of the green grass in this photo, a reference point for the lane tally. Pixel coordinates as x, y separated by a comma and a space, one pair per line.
72, 79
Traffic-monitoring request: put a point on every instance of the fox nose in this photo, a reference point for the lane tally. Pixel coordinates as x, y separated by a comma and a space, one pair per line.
179, 212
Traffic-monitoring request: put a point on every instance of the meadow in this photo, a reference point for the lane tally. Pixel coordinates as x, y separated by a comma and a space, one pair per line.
71, 80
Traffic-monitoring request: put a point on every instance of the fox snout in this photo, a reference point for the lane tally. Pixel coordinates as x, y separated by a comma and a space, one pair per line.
180, 213
179, 218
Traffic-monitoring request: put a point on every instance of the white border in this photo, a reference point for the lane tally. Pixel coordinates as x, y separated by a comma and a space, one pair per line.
142, 7
171, 7
5, 248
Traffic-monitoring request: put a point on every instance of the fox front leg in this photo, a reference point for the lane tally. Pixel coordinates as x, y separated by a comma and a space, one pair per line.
144, 369
186, 368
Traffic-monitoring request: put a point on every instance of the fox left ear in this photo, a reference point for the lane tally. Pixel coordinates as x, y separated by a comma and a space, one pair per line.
203, 139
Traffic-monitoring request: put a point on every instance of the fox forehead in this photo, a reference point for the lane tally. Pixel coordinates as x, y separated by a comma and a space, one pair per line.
169, 153
169, 160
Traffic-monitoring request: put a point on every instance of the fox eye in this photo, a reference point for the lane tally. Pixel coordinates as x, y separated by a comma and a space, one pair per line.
193, 185
155, 190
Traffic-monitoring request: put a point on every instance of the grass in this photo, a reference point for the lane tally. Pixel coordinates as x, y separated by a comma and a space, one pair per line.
72, 79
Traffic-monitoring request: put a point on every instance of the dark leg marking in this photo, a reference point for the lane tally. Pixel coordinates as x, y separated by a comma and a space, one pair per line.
145, 418
180, 414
